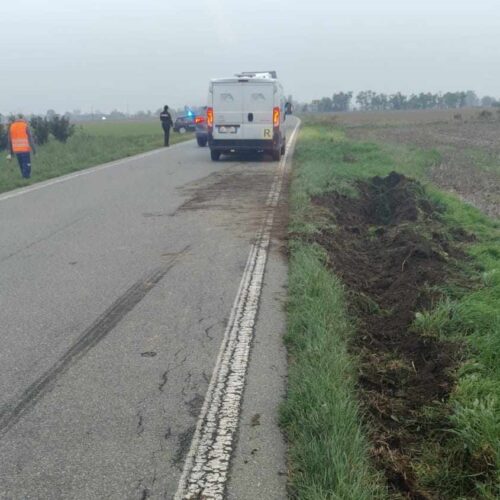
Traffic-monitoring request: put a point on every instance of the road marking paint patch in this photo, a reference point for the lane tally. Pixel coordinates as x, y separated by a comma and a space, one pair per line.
206, 468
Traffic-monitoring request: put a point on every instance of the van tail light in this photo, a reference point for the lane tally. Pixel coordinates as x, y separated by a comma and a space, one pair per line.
199, 119
210, 118
276, 117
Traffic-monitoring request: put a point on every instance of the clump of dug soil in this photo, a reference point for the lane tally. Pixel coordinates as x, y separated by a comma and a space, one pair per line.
389, 247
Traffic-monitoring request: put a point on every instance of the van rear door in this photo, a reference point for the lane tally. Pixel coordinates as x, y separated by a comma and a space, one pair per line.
228, 110
258, 102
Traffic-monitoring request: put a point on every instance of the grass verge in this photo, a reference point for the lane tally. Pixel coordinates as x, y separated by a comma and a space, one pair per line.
468, 466
91, 145
328, 452
323, 418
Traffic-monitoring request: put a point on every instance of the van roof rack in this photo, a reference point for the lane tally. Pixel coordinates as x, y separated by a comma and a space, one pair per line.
257, 74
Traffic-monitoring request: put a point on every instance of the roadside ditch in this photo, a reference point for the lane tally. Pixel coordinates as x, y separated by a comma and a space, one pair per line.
392, 252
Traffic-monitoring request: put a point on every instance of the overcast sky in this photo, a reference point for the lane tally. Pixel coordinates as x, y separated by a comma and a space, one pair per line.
141, 54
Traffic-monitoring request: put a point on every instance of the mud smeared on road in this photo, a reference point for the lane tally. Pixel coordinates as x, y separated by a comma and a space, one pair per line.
222, 189
236, 196
390, 248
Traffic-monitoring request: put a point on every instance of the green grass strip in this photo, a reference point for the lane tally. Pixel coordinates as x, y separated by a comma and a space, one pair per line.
470, 463
329, 457
329, 452
89, 147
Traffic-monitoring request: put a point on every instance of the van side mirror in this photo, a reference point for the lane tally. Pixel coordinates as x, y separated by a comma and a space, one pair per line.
288, 108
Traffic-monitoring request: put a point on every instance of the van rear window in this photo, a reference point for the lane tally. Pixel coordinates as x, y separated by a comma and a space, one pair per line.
226, 97
258, 97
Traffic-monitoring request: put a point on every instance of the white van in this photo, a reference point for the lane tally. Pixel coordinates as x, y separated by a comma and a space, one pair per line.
247, 113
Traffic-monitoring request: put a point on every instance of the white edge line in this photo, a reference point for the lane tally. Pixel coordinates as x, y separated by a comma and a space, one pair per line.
86, 171
261, 245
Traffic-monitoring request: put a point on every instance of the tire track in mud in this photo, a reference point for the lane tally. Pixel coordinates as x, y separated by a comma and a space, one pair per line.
390, 249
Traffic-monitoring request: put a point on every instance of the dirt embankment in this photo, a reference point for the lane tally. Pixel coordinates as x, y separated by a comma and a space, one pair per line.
389, 248
469, 156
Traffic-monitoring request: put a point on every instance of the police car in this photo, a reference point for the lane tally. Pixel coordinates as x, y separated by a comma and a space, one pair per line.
185, 123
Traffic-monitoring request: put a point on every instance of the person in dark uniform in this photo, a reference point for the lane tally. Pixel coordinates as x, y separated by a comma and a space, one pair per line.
166, 123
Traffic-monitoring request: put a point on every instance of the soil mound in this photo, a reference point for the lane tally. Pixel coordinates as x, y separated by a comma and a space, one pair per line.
389, 248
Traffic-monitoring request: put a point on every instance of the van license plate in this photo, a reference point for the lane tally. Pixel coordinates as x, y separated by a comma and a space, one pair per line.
227, 130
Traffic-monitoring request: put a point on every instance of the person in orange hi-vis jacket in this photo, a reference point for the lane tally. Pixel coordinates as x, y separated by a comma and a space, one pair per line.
21, 144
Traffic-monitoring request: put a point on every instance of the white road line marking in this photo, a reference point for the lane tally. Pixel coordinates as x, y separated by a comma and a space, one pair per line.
206, 468
87, 171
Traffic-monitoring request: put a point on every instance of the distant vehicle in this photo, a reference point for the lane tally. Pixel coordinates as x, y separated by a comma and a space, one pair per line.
184, 124
201, 128
247, 113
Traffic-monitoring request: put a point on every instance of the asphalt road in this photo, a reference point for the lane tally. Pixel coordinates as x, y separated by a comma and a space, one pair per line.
116, 287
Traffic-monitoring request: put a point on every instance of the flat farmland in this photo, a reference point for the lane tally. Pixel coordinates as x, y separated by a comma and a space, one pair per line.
123, 129
466, 143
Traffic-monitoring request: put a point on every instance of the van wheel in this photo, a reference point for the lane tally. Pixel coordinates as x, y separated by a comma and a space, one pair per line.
277, 154
215, 155
202, 142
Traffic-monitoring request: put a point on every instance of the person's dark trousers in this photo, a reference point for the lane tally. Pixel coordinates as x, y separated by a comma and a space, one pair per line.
24, 160
166, 136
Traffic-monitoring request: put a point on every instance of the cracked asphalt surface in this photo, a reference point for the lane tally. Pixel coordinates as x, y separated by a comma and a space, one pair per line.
115, 292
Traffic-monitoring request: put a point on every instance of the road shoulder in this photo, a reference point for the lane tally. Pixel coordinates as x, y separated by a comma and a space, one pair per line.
259, 461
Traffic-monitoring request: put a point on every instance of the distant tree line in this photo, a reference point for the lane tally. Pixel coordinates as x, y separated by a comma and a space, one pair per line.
42, 128
116, 115
368, 100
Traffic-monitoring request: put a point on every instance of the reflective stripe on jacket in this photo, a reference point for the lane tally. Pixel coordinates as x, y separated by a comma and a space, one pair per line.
19, 137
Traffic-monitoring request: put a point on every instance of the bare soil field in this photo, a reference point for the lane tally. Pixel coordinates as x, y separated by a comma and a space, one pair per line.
407, 117
468, 143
